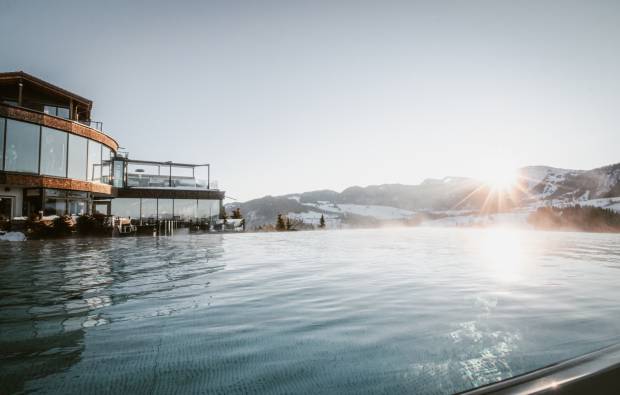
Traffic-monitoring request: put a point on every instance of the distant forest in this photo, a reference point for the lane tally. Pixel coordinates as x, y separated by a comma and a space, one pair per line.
592, 219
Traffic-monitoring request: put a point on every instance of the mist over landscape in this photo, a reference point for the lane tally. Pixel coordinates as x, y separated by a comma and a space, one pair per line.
448, 201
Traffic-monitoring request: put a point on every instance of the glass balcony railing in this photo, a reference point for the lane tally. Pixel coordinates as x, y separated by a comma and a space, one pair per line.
159, 175
55, 111
141, 180
97, 125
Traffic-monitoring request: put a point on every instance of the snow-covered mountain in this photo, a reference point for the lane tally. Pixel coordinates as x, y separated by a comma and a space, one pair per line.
563, 184
447, 200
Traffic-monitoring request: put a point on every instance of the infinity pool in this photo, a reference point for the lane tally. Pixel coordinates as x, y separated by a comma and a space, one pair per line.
415, 310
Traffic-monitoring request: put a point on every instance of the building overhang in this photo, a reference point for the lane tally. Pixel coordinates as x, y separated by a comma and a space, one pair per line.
171, 193
38, 181
20, 76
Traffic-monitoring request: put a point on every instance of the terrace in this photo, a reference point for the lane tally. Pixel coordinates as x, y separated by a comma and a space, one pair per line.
143, 174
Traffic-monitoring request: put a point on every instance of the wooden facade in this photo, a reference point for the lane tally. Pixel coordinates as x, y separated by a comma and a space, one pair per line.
40, 181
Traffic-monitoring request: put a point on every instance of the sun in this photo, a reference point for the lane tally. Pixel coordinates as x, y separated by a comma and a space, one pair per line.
500, 177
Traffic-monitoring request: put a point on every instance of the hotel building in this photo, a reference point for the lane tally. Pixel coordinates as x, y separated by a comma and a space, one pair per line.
54, 159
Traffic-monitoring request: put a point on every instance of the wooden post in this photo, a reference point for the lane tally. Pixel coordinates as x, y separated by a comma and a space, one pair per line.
19, 94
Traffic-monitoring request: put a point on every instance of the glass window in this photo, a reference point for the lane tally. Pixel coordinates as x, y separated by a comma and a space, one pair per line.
182, 171
2, 122
49, 110
22, 146
202, 176
77, 194
126, 207
185, 209
147, 175
164, 208
77, 157
149, 210
62, 112
182, 177
208, 209
55, 207
53, 152
6, 207
106, 154
94, 161
119, 173
101, 207
77, 207
55, 193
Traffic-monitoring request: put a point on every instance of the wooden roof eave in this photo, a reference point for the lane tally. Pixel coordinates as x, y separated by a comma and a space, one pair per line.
20, 75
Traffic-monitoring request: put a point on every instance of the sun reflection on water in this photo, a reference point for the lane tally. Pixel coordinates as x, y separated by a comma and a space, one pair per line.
502, 253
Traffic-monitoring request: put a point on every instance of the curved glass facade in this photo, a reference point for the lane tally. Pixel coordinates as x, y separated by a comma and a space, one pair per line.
30, 148
21, 151
94, 162
53, 152
77, 157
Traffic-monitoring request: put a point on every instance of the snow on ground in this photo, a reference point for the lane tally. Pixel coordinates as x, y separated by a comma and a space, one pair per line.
513, 219
451, 213
314, 218
325, 206
549, 190
536, 174
375, 211
294, 197
608, 203
517, 218
551, 176
380, 212
12, 236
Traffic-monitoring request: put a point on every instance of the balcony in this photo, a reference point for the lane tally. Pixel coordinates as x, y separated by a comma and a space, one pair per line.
164, 175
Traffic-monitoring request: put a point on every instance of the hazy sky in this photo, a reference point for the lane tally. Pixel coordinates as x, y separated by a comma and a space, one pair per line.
292, 96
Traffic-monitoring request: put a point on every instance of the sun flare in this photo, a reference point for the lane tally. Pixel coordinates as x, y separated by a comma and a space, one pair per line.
500, 177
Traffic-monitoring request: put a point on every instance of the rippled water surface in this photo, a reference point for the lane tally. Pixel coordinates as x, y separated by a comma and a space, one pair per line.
393, 310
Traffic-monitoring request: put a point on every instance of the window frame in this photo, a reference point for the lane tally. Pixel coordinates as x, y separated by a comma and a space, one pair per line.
6, 130
42, 151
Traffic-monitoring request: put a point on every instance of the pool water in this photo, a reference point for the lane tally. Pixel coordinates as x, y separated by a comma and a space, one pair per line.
405, 310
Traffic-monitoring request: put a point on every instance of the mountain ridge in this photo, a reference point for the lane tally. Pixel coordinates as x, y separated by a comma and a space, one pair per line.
535, 186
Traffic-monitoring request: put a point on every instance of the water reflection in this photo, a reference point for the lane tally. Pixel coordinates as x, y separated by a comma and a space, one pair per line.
503, 253
53, 292
392, 310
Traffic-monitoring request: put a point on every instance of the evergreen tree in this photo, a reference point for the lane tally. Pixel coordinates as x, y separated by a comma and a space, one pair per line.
322, 222
236, 213
280, 225
288, 224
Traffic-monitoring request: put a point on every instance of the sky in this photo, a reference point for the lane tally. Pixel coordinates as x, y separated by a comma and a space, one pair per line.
292, 96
